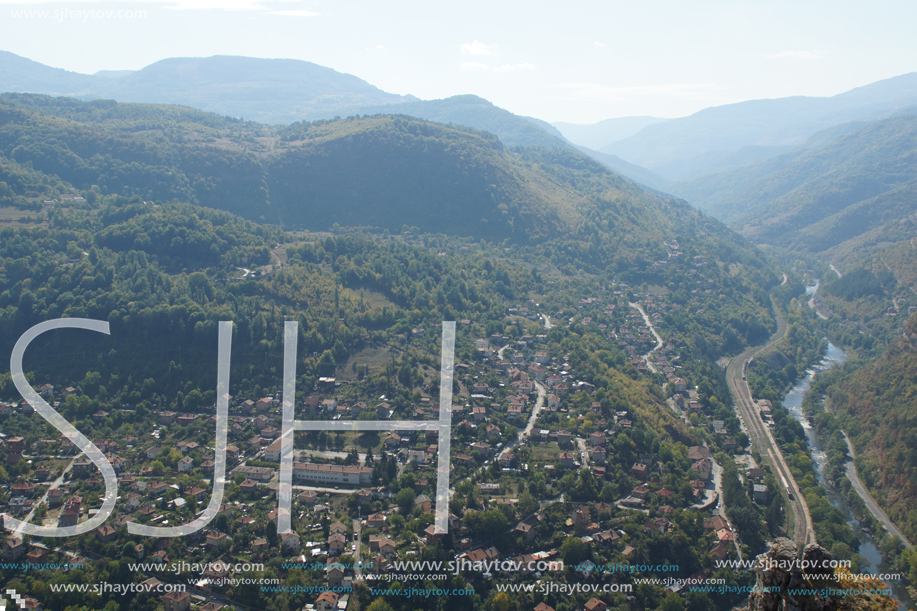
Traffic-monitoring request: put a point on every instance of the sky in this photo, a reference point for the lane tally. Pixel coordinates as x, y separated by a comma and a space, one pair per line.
583, 62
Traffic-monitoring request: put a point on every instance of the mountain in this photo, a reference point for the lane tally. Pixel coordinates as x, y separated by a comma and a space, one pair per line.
265, 90
282, 91
476, 112
367, 171
599, 135
875, 407
24, 75
824, 196
638, 174
678, 147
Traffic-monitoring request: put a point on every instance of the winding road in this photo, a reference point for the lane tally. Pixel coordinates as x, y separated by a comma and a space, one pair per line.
870, 502
659, 342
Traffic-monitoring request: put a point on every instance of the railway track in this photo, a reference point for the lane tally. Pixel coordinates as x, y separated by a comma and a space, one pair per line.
763, 440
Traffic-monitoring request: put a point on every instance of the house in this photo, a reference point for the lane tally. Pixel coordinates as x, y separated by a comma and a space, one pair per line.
760, 493
259, 545
26, 489
376, 520
106, 533
696, 453
215, 538
719, 551
566, 459
70, 514
186, 464
326, 601
186, 419
337, 529
639, 470
157, 487
81, 467
264, 404
606, 538
336, 544
543, 607
13, 549
431, 536
335, 573
290, 542
526, 531
176, 601
640, 492
55, 497
506, 459
594, 604
272, 452
702, 469
387, 548
424, 502
725, 535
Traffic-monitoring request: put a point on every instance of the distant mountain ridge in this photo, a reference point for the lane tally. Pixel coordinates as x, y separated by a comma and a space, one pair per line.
264, 90
598, 136
678, 147
824, 196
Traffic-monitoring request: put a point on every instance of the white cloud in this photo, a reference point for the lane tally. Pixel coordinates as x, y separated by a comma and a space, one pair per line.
795, 55
594, 92
598, 45
476, 48
479, 67
376, 49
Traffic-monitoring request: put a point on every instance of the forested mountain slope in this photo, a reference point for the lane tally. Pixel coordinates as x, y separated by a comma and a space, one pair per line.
378, 171
876, 407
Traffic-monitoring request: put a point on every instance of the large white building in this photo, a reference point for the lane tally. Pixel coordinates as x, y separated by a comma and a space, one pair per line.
333, 474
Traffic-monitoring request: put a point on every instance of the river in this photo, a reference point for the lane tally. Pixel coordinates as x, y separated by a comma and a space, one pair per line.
874, 562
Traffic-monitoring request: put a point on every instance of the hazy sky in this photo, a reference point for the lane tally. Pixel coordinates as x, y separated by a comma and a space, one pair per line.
587, 61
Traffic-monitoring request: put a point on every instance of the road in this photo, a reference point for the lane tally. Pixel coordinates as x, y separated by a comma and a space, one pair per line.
720, 509
357, 551
539, 405
870, 502
584, 454
44, 498
761, 437
659, 342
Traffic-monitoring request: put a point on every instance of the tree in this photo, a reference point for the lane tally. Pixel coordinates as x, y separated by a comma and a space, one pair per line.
379, 605
501, 602
573, 551
405, 498
527, 503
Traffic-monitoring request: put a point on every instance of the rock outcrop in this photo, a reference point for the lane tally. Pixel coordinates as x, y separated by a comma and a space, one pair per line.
789, 582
